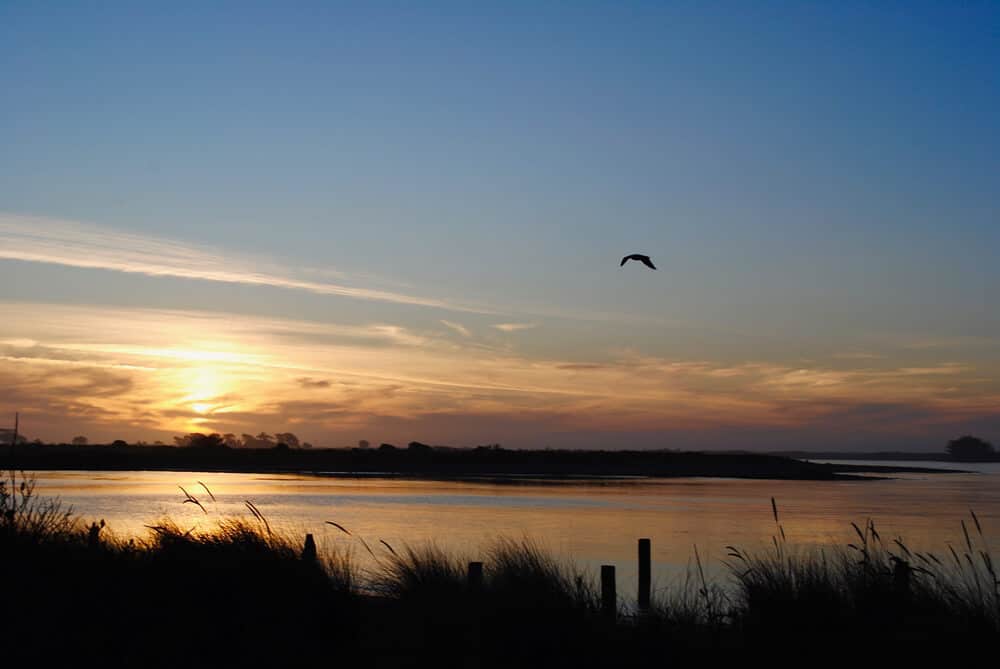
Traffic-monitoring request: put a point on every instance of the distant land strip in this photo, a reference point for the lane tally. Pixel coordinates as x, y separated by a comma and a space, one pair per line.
428, 462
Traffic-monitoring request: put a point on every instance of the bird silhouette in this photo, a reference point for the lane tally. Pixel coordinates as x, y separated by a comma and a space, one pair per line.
641, 258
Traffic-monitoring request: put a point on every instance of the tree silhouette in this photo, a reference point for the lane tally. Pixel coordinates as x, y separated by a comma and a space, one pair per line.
287, 438
262, 440
79, 441
970, 448
213, 440
199, 440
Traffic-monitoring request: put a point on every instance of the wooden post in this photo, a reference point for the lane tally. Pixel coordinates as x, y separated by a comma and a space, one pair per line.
94, 536
475, 575
609, 598
309, 550
644, 573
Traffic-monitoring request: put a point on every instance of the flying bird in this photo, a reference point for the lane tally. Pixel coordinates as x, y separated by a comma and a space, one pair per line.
641, 258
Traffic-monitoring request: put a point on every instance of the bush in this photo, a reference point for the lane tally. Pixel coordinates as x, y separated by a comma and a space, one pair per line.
970, 448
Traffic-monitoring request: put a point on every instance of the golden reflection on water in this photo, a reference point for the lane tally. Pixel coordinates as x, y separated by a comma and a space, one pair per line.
591, 523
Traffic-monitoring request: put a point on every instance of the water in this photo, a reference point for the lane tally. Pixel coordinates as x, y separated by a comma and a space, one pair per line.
591, 523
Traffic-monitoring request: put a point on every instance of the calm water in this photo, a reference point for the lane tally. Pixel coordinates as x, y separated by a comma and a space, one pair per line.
591, 523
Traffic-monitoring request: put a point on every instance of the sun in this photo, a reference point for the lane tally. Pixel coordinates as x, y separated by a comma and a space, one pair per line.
203, 386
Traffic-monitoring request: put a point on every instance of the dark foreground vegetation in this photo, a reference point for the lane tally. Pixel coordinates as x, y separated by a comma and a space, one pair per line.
242, 595
418, 460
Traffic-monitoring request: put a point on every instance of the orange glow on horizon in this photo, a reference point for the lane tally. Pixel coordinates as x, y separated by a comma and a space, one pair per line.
173, 372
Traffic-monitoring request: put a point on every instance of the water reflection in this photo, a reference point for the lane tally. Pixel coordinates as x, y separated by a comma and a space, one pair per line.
585, 521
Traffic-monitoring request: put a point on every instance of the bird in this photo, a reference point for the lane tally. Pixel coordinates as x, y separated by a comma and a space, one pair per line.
641, 258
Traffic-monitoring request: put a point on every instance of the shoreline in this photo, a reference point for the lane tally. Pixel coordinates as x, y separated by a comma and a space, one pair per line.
447, 464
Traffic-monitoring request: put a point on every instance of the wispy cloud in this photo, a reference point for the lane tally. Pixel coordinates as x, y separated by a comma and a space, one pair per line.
858, 355
74, 244
514, 327
457, 327
161, 370
311, 383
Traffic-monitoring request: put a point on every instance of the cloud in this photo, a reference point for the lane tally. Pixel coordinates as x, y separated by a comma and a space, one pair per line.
581, 366
67, 395
74, 244
858, 355
307, 382
149, 371
457, 327
514, 327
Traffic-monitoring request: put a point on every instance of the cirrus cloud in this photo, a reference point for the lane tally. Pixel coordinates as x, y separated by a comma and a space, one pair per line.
75, 244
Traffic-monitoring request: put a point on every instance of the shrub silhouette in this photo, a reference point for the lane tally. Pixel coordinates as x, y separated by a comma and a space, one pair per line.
970, 448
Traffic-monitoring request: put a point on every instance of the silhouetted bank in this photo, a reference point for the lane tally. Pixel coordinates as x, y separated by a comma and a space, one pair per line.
967, 448
241, 595
424, 461
887, 456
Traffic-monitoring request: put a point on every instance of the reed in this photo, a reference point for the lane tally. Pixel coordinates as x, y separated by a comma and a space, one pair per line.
416, 598
26, 517
426, 571
520, 570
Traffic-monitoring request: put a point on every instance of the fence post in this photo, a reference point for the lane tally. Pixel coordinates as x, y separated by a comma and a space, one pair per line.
309, 550
475, 575
644, 574
609, 598
94, 535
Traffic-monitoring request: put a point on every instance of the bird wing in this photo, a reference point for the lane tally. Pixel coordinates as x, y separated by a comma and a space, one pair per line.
647, 262
624, 260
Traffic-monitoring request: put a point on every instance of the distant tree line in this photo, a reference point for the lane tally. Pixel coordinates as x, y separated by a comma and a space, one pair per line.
213, 440
970, 448
412, 446
280, 440
966, 447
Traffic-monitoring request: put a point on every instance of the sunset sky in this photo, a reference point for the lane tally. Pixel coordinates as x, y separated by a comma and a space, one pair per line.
364, 221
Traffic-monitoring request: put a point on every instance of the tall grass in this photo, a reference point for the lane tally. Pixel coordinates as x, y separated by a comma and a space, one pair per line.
873, 585
528, 573
26, 517
419, 572
873, 588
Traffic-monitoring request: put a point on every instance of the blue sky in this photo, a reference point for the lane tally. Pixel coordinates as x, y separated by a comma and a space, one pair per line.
814, 181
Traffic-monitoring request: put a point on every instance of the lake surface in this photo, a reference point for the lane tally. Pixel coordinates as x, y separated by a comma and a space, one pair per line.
591, 523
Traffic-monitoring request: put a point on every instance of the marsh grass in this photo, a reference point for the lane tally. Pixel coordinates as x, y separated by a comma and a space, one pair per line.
874, 587
241, 581
520, 571
690, 602
422, 572
26, 517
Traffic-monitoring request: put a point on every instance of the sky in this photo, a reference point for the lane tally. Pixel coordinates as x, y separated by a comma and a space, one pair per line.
393, 222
